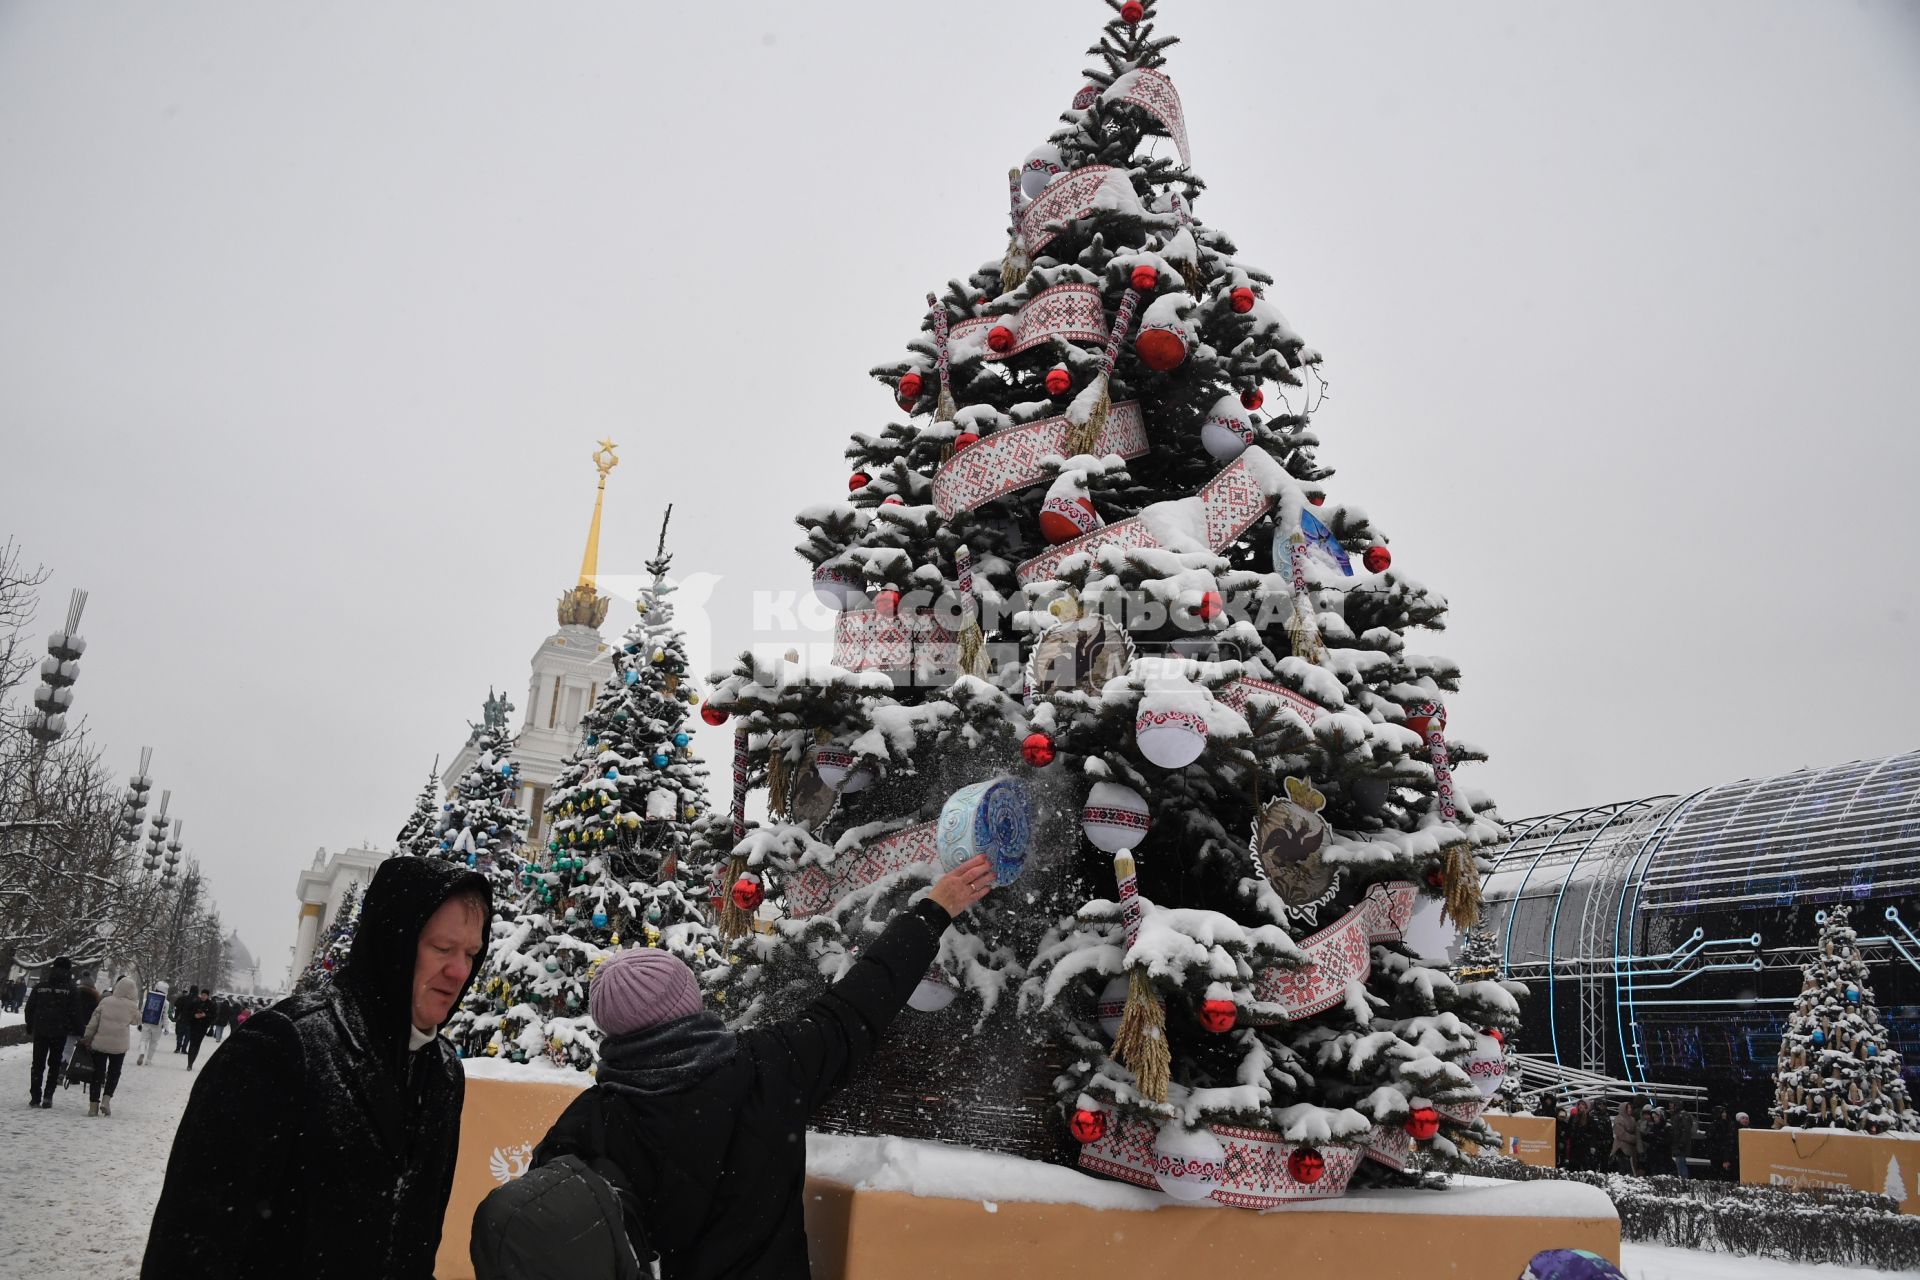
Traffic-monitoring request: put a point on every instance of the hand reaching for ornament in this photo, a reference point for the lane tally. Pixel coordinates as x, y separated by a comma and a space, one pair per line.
963, 886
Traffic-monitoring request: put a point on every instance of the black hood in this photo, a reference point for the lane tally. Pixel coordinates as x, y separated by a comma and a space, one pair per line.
405, 893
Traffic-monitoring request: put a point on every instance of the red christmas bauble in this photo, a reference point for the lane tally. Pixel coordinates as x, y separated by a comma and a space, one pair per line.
1253, 399
1037, 749
1160, 349
910, 385
887, 603
1211, 606
1423, 1123
1377, 559
999, 338
1063, 520
858, 481
893, 500
747, 893
1088, 1125
1145, 277
1241, 299
1317, 499
1436, 878
1305, 1165
712, 714
1059, 381
966, 438
1132, 11
1218, 1015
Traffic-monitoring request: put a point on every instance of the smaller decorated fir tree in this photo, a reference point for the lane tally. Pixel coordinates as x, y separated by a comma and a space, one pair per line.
1836, 1070
1479, 961
420, 833
622, 867
331, 954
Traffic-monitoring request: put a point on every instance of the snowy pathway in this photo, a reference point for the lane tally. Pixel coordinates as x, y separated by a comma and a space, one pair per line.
80, 1192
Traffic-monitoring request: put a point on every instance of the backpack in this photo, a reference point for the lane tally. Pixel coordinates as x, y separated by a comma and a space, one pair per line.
566, 1218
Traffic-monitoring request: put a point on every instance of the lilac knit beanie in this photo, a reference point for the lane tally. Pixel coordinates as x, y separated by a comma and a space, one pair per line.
639, 988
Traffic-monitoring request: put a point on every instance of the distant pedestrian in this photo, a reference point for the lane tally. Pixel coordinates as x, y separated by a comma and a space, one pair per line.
153, 1016
199, 1022
182, 1017
1684, 1128
319, 1144
50, 1011
1626, 1137
109, 1034
85, 997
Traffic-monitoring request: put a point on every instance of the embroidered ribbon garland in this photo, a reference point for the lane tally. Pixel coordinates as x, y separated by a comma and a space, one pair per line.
1081, 438
1306, 628
1141, 1041
1462, 876
1015, 265
1238, 692
1255, 1176
1069, 196
1153, 93
972, 648
733, 922
1008, 461
1389, 1144
868, 640
816, 888
1338, 954
945, 409
1070, 311
1228, 506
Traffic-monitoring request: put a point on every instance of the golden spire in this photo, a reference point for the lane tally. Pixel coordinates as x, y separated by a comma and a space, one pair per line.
583, 606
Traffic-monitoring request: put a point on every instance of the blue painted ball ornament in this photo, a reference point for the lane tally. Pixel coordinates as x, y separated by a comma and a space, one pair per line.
1818, 1036
599, 919
994, 818
1873, 1050
633, 677
661, 760
1853, 995
682, 738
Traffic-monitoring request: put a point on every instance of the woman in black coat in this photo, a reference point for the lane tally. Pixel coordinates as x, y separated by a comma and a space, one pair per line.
320, 1140
709, 1127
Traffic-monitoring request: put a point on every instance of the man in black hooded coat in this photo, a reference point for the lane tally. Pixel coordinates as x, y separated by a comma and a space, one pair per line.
320, 1140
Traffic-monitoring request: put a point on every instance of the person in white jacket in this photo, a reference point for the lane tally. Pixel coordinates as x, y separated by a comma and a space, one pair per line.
153, 1020
109, 1035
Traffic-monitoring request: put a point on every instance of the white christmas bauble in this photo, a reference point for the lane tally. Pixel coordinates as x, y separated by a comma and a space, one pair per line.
1112, 1006
1188, 1163
1042, 165
833, 764
1487, 1064
1115, 817
1171, 728
931, 996
1228, 430
660, 804
838, 588
856, 780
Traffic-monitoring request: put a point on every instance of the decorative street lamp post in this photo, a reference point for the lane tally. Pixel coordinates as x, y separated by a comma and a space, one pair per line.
57, 674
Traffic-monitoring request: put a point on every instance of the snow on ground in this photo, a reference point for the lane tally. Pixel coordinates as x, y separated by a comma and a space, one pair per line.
13, 1019
81, 1192
1657, 1262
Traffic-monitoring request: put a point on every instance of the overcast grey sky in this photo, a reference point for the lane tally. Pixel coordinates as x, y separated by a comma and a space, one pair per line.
310, 315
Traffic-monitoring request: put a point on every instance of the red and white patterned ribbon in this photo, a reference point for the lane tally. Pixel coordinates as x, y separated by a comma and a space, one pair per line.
868, 640
1338, 954
1122, 321
1013, 204
1008, 461
1069, 196
1072, 312
1238, 692
1130, 909
1153, 93
1256, 1174
963, 572
1389, 1144
816, 888
1229, 505
1437, 752
739, 784
940, 342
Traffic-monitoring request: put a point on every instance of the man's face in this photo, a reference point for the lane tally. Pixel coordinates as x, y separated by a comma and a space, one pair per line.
443, 959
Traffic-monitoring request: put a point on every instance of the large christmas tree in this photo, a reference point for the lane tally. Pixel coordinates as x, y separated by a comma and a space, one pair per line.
1102, 616
620, 868
1835, 1069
